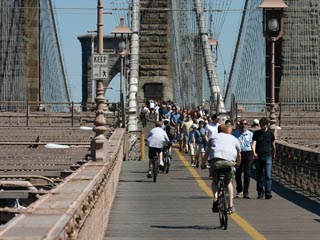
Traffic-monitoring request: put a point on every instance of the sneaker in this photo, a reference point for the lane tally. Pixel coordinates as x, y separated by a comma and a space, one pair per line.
161, 167
161, 163
239, 195
231, 210
260, 196
269, 196
246, 196
203, 166
149, 175
215, 207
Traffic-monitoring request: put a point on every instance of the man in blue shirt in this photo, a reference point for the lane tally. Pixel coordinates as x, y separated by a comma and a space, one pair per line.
245, 138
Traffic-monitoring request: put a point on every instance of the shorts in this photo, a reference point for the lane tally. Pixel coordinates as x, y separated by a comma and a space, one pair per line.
185, 138
153, 152
191, 149
199, 149
214, 172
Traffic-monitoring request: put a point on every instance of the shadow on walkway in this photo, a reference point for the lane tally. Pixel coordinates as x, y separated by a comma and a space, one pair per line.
295, 197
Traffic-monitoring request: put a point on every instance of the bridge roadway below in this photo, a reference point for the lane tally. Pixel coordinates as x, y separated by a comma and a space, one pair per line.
178, 206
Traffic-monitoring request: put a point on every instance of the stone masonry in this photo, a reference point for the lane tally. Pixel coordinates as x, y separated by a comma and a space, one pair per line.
32, 49
155, 67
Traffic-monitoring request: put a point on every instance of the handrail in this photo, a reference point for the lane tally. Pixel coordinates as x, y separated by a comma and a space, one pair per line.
73, 110
28, 177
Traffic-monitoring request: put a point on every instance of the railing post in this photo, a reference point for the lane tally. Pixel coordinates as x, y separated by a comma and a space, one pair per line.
72, 114
142, 146
236, 112
118, 108
280, 112
27, 123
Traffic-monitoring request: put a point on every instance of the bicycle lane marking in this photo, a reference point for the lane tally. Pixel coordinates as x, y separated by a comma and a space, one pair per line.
236, 217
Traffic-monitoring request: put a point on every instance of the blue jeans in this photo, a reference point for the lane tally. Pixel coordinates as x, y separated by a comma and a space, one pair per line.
264, 171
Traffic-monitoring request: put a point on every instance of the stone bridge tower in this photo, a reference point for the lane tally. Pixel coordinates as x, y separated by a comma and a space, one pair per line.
155, 72
155, 81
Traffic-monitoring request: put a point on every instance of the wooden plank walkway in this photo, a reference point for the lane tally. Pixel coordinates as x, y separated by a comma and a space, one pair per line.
178, 206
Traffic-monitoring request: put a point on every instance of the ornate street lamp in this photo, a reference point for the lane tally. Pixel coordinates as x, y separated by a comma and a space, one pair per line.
273, 31
98, 142
122, 33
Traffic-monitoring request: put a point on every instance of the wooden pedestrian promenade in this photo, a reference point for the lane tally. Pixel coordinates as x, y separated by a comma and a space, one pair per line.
178, 206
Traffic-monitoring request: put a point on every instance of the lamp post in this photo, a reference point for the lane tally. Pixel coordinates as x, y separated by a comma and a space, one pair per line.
122, 32
273, 31
93, 85
97, 143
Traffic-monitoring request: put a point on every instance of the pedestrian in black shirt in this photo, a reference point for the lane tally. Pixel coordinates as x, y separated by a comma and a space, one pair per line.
264, 151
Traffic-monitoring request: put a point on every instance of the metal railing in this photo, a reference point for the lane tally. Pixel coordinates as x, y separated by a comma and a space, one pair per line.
18, 113
287, 113
298, 166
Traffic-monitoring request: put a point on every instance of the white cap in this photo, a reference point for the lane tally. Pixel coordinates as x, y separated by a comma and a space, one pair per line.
194, 126
256, 121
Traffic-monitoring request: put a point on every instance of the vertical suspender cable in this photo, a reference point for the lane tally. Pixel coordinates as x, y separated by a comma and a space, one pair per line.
236, 50
209, 65
134, 68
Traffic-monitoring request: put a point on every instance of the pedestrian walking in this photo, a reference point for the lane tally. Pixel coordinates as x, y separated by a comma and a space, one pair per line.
200, 145
245, 138
185, 128
192, 145
264, 151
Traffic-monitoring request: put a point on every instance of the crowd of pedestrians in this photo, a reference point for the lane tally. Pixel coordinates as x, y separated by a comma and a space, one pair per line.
208, 139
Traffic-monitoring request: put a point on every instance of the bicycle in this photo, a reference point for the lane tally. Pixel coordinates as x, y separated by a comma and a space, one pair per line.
166, 160
143, 119
222, 198
155, 169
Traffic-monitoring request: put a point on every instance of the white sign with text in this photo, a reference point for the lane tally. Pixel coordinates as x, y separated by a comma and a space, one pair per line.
99, 66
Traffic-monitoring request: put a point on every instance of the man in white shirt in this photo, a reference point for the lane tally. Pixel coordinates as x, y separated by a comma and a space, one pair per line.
212, 128
156, 139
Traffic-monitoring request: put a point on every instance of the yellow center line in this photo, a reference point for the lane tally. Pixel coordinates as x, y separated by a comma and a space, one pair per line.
236, 217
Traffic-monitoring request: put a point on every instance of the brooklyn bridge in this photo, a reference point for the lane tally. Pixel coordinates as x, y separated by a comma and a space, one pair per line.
78, 170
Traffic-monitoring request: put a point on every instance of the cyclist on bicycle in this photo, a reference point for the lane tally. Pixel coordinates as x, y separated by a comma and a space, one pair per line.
156, 140
143, 112
171, 134
223, 152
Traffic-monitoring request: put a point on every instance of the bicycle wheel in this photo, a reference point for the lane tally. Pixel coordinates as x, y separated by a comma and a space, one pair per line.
223, 207
155, 168
166, 162
144, 122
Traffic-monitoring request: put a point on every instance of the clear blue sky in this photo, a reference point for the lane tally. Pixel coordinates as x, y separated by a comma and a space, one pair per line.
76, 17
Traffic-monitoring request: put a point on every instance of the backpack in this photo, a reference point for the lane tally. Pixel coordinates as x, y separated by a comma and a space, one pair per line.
198, 136
170, 132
